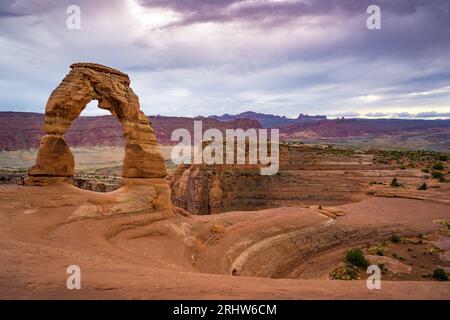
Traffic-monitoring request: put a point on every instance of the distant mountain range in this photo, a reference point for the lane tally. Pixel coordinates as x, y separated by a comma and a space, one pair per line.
22, 130
269, 120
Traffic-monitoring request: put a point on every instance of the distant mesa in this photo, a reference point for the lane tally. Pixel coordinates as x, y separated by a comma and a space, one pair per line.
305, 116
107, 131
269, 120
95, 131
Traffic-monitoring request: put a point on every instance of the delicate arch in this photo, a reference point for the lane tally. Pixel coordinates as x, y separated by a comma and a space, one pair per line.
84, 83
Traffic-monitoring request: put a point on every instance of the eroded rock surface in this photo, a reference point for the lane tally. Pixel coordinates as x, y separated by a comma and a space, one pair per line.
143, 167
308, 175
111, 88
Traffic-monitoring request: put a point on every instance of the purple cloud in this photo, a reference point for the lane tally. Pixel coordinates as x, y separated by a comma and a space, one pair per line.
255, 11
203, 56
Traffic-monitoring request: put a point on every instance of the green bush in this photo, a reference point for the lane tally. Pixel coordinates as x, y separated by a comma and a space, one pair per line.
395, 238
443, 157
440, 274
437, 174
438, 166
345, 271
426, 170
356, 257
423, 186
394, 183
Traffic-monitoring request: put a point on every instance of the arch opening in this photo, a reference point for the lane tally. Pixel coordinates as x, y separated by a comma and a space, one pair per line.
98, 153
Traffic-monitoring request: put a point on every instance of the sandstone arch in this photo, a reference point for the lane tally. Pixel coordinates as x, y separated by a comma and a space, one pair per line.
111, 88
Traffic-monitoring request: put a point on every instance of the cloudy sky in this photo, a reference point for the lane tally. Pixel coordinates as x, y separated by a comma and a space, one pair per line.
203, 57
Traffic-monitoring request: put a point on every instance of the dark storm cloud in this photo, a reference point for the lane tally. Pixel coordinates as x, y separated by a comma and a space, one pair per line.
283, 11
21, 8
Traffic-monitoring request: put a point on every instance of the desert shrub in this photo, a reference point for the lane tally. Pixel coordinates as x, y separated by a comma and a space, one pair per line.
426, 170
438, 166
423, 186
395, 183
437, 174
440, 274
443, 157
377, 249
345, 271
395, 238
356, 257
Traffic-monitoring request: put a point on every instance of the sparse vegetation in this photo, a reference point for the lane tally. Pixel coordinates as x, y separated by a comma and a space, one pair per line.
438, 166
377, 249
345, 271
423, 187
395, 238
440, 274
356, 257
395, 183
437, 174
444, 222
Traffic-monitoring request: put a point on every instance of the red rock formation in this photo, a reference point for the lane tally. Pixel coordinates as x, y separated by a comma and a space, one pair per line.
143, 165
307, 175
110, 87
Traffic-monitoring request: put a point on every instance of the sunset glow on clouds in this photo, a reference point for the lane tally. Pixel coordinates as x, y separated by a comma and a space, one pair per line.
203, 57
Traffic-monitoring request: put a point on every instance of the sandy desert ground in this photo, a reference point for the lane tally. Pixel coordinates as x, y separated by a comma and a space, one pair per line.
236, 255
